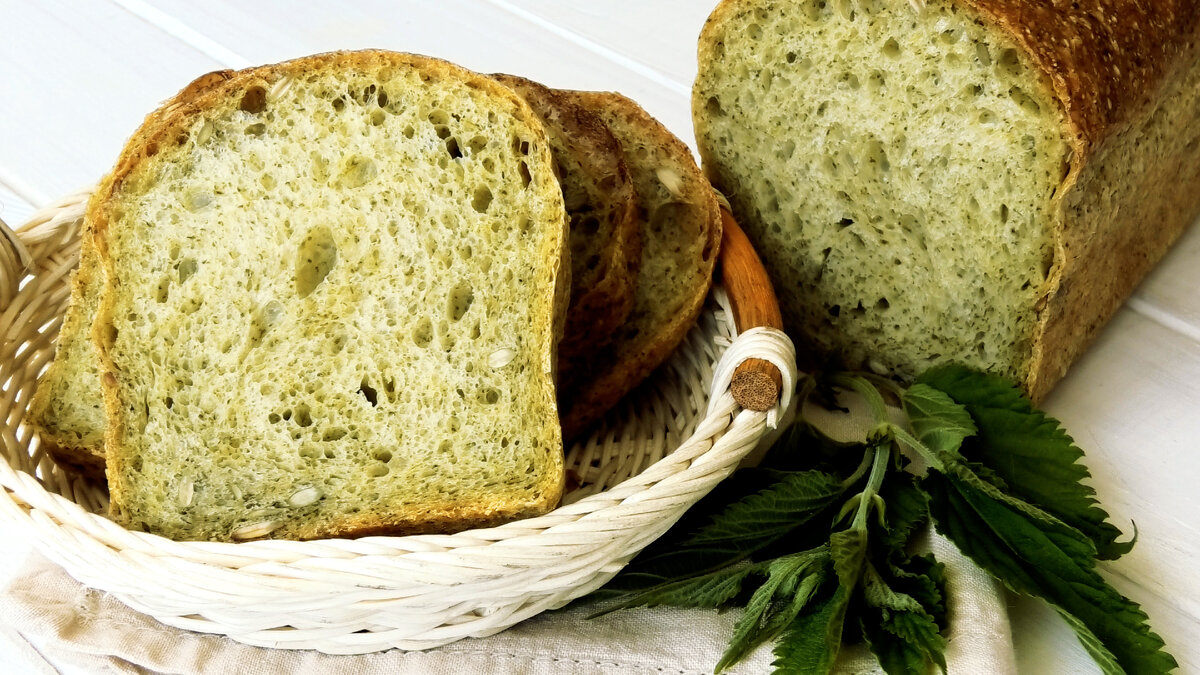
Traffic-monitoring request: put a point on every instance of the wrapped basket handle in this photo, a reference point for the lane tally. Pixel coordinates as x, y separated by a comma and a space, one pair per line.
756, 383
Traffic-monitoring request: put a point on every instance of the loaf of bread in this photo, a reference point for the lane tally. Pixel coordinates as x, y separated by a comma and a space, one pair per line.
978, 181
332, 290
681, 234
604, 235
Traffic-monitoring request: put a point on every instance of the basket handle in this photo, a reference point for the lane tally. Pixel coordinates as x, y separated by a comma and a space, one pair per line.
756, 383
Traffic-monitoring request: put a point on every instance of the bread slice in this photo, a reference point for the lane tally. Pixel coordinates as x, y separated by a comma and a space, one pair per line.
681, 234
978, 181
605, 238
67, 409
330, 305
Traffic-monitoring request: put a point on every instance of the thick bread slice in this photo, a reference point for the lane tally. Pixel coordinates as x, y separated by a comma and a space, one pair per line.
330, 305
68, 408
681, 234
601, 203
979, 181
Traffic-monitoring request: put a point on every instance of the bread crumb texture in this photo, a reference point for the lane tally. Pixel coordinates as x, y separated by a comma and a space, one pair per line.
897, 170
330, 307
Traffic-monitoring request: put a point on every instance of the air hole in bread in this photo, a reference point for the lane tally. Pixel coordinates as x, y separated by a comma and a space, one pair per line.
482, 199
316, 258
368, 392
256, 129
452, 148
357, 171
459, 301
334, 434
476, 145
339, 103
891, 48
381, 455
422, 332
254, 100
489, 396
377, 117
303, 416
526, 178
164, 289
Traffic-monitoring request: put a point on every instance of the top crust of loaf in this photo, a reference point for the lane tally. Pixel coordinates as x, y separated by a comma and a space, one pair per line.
681, 235
418, 443
604, 237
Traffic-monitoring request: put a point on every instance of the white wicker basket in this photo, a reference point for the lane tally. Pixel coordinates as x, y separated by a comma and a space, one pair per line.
666, 447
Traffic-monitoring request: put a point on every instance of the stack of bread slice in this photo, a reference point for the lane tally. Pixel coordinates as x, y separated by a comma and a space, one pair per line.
348, 294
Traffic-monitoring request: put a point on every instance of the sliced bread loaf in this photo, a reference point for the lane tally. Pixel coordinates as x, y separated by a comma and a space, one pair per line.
330, 305
681, 234
977, 181
605, 238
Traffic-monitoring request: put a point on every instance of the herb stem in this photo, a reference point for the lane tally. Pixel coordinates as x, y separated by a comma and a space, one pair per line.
879, 465
863, 388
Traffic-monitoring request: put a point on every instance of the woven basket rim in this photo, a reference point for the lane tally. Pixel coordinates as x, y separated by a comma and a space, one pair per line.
517, 569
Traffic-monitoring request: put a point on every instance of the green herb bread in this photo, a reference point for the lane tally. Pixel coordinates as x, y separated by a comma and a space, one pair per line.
978, 181
681, 234
67, 409
605, 238
333, 287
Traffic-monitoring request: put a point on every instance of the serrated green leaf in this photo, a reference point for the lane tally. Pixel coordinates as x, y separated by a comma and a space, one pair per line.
848, 549
940, 423
906, 508
710, 590
1050, 561
788, 587
896, 655
919, 629
771, 513
1099, 653
924, 578
782, 503
1029, 451
877, 593
811, 642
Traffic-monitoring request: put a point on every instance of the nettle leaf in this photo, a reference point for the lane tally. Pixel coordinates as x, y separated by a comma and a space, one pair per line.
732, 531
1029, 451
848, 548
898, 627
906, 508
924, 578
772, 513
790, 583
811, 642
1050, 561
940, 423
896, 655
711, 590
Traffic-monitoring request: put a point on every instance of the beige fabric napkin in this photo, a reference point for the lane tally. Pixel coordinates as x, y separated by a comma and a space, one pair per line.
55, 623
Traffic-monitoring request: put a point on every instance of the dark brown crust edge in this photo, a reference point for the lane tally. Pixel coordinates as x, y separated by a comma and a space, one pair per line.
1112, 66
619, 378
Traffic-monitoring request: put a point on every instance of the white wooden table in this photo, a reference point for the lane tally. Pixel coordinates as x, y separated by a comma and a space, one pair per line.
77, 76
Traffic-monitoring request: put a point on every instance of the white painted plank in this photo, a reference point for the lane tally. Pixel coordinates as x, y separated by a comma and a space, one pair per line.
1131, 403
1169, 294
14, 209
77, 79
478, 35
660, 36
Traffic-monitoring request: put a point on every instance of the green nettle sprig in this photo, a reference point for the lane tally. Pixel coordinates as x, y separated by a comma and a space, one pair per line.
815, 542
